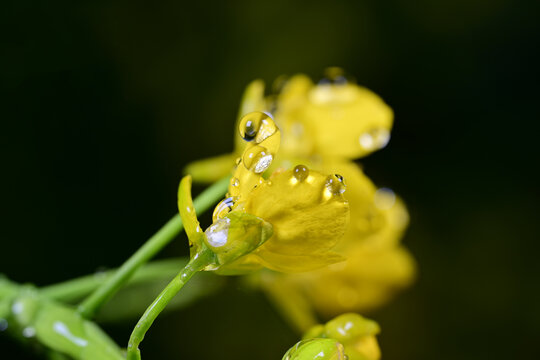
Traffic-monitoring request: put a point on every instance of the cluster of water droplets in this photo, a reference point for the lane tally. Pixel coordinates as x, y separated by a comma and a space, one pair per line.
262, 138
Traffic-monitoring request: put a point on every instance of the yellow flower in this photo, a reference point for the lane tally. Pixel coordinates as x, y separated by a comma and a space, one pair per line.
354, 332
324, 126
289, 222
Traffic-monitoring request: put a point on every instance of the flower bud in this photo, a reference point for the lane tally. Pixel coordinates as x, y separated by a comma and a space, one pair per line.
356, 333
316, 349
235, 235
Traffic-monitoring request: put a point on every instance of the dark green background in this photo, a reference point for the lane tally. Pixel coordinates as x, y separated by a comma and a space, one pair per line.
103, 103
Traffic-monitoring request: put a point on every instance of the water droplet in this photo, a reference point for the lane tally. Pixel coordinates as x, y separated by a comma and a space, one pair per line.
63, 330
217, 233
263, 163
238, 161
3, 324
384, 198
340, 178
257, 159
17, 307
256, 126
374, 139
333, 186
29, 332
366, 141
235, 182
224, 207
300, 172
335, 76
101, 272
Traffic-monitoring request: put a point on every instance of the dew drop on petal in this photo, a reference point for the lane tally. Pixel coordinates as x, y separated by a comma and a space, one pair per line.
257, 126
374, 139
300, 172
223, 208
384, 198
217, 234
333, 186
263, 163
366, 141
257, 159
335, 76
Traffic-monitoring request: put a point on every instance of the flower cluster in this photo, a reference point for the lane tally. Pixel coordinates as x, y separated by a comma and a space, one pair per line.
325, 126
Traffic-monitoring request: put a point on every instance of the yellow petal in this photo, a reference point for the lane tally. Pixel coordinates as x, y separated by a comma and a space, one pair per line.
367, 280
307, 211
211, 169
360, 194
347, 120
344, 120
297, 263
378, 216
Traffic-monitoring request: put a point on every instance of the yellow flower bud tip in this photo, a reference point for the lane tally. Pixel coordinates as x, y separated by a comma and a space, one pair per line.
356, 333
349, 327
316, 349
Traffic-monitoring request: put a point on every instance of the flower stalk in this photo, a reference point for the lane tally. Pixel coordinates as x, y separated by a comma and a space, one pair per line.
197, 263
158, 241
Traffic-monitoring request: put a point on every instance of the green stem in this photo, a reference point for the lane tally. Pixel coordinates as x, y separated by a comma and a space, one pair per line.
152, 246
196, 264
76, 289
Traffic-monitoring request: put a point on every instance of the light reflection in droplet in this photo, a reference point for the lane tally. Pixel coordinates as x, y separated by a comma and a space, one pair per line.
218, 232
263, 164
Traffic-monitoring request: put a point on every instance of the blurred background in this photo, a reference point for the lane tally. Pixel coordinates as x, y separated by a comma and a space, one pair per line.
104, 103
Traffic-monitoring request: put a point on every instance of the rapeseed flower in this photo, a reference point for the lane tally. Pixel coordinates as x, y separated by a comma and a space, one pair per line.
324, 127
334, 118
288, 222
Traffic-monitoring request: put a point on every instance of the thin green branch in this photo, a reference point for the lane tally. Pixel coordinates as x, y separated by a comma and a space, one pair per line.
75, 289
198, 262
152, 246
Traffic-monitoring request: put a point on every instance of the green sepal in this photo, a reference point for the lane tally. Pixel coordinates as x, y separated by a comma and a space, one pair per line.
189, 216
235, 235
